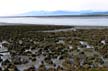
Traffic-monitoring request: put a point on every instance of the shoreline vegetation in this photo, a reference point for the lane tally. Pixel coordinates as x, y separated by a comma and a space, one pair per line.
53, 48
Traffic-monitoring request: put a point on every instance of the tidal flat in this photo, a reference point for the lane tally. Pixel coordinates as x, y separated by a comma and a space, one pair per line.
53, 48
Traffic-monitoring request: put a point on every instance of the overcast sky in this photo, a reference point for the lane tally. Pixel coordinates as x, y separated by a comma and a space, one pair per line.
12, 7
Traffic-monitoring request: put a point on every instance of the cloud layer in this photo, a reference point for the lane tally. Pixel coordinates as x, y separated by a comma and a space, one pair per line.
12, 7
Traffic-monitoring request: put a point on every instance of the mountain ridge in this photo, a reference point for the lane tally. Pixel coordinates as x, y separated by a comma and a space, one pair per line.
60, 12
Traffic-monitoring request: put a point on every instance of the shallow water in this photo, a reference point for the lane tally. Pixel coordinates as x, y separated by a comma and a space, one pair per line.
91, 21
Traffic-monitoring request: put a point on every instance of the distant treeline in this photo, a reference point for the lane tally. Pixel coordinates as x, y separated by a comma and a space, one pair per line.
97, 15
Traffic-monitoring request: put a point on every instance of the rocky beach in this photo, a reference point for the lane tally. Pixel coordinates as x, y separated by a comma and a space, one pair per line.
53, 48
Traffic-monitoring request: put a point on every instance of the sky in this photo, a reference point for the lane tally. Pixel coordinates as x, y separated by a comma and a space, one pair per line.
13, 7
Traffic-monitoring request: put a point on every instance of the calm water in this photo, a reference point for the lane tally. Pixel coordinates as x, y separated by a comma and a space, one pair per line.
94, 21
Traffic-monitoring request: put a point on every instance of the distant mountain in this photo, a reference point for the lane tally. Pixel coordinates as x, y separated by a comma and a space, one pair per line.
47, 13
56, 13
97, 13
